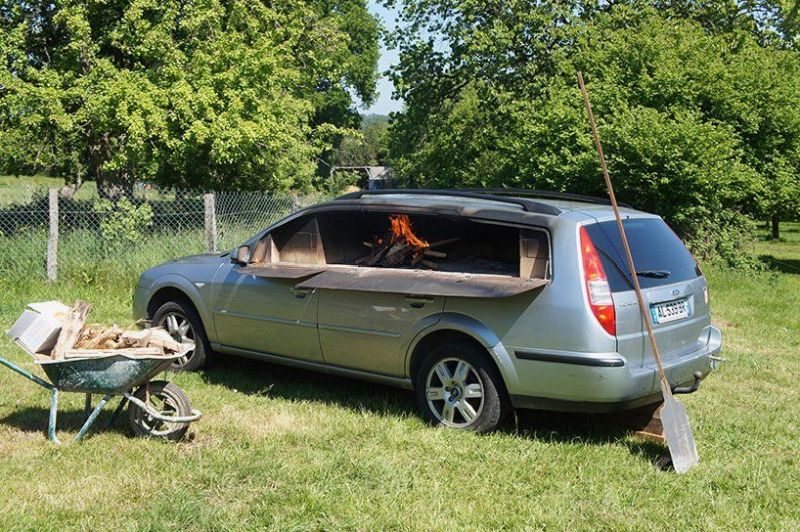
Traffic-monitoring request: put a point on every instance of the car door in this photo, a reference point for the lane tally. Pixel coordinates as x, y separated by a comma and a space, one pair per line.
268, 315
369, 331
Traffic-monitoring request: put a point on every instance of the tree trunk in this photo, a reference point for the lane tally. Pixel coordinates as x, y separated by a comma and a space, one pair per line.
110, 185
776, 227
113, 191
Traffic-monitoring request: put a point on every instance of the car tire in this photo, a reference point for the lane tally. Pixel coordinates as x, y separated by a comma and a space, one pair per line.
458, 386
184, 313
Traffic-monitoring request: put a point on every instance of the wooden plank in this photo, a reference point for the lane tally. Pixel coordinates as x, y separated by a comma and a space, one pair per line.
99, 353
162, 339
136, 338
71, 329
421, 282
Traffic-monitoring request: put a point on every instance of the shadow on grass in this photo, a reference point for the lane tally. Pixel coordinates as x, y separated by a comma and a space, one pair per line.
271, 380
35, 419
592, 429
782, 265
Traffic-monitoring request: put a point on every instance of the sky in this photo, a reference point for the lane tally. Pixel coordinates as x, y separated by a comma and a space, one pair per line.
384, 104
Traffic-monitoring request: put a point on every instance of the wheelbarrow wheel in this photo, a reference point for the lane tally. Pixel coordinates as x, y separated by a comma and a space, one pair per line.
165, 398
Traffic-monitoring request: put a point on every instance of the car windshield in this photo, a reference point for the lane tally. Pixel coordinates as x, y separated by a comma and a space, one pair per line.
658, 254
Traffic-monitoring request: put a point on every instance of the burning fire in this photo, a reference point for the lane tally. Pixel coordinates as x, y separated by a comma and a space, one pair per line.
401, 230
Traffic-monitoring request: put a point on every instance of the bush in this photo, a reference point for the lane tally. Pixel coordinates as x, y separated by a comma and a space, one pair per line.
122, 223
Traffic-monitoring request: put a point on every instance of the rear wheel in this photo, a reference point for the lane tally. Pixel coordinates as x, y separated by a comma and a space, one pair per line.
166, 399
458, 387
183, 324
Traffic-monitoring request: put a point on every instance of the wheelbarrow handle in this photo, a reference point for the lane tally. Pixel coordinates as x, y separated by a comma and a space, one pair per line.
51, 425
27, 374
196, 414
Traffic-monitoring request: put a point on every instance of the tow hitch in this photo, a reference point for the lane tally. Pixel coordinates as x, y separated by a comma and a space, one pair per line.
689, 389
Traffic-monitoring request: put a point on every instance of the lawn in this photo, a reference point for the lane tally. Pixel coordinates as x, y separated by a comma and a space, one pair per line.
22, 189
292, 450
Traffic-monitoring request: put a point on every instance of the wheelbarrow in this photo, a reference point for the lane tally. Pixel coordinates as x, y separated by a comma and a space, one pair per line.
156, 408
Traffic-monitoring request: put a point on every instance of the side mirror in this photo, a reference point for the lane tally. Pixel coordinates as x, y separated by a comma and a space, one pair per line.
241, 256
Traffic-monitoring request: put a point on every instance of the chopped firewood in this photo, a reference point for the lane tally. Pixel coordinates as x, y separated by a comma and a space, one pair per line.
99, 338
114, 337
397, 254
161, 338
71, 329
129, 351
136, 338
401, 246
432, 253
73, 338
376, 257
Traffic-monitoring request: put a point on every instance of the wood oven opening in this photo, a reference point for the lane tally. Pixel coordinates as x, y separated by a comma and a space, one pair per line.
407, 241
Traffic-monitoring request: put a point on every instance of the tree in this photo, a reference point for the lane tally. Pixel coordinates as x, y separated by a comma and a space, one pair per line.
699, 122
367, 147
234, 94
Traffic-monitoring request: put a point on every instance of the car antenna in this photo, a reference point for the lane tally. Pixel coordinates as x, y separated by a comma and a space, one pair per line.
674, 418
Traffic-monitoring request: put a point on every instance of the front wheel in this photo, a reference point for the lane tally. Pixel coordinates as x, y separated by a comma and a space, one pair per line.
457, 386
183, 324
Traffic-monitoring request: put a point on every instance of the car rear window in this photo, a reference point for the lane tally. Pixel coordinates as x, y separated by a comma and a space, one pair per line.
655, 248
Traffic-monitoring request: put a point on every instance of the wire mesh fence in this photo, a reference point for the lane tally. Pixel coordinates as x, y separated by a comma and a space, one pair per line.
87, 239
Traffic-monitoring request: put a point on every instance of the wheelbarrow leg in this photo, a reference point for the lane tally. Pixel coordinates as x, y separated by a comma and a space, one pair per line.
92, 417
87, 407
51, 426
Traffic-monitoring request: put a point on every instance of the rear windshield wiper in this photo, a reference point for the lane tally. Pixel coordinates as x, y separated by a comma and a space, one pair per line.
655, 274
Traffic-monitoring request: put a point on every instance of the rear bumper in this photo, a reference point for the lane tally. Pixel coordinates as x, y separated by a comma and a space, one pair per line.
578, 382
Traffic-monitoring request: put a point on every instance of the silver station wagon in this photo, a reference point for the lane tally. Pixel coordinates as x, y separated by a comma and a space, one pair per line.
479, 301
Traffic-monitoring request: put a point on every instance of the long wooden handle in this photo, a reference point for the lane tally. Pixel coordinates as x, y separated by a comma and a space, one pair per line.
629, 256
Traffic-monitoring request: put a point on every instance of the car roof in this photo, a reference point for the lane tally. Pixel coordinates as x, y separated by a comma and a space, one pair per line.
468, 200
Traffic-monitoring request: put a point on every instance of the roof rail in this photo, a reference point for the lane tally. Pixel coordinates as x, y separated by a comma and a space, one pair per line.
547, 194
526, 204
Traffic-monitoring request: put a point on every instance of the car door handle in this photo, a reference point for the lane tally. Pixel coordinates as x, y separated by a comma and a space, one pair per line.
300, 293
418, 302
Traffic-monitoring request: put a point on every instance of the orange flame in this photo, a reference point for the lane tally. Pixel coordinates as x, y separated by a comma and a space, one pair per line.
401, 230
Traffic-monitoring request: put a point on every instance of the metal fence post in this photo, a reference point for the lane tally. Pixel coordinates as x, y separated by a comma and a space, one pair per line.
211, 222
52, 240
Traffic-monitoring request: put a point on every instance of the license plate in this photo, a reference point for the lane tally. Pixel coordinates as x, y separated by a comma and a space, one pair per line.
670, 311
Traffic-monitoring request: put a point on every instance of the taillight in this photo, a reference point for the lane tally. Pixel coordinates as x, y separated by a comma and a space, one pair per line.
597, 288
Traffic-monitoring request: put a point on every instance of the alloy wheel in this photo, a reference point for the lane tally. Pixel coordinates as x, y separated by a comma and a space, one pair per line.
455, 392
178, 326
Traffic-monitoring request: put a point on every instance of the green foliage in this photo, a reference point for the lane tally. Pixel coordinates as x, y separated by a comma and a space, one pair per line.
699, 124
340, 181
367, 147
233, 94
122, 223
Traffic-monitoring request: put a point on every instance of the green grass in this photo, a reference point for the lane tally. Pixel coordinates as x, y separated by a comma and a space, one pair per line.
292, 450
22, 189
